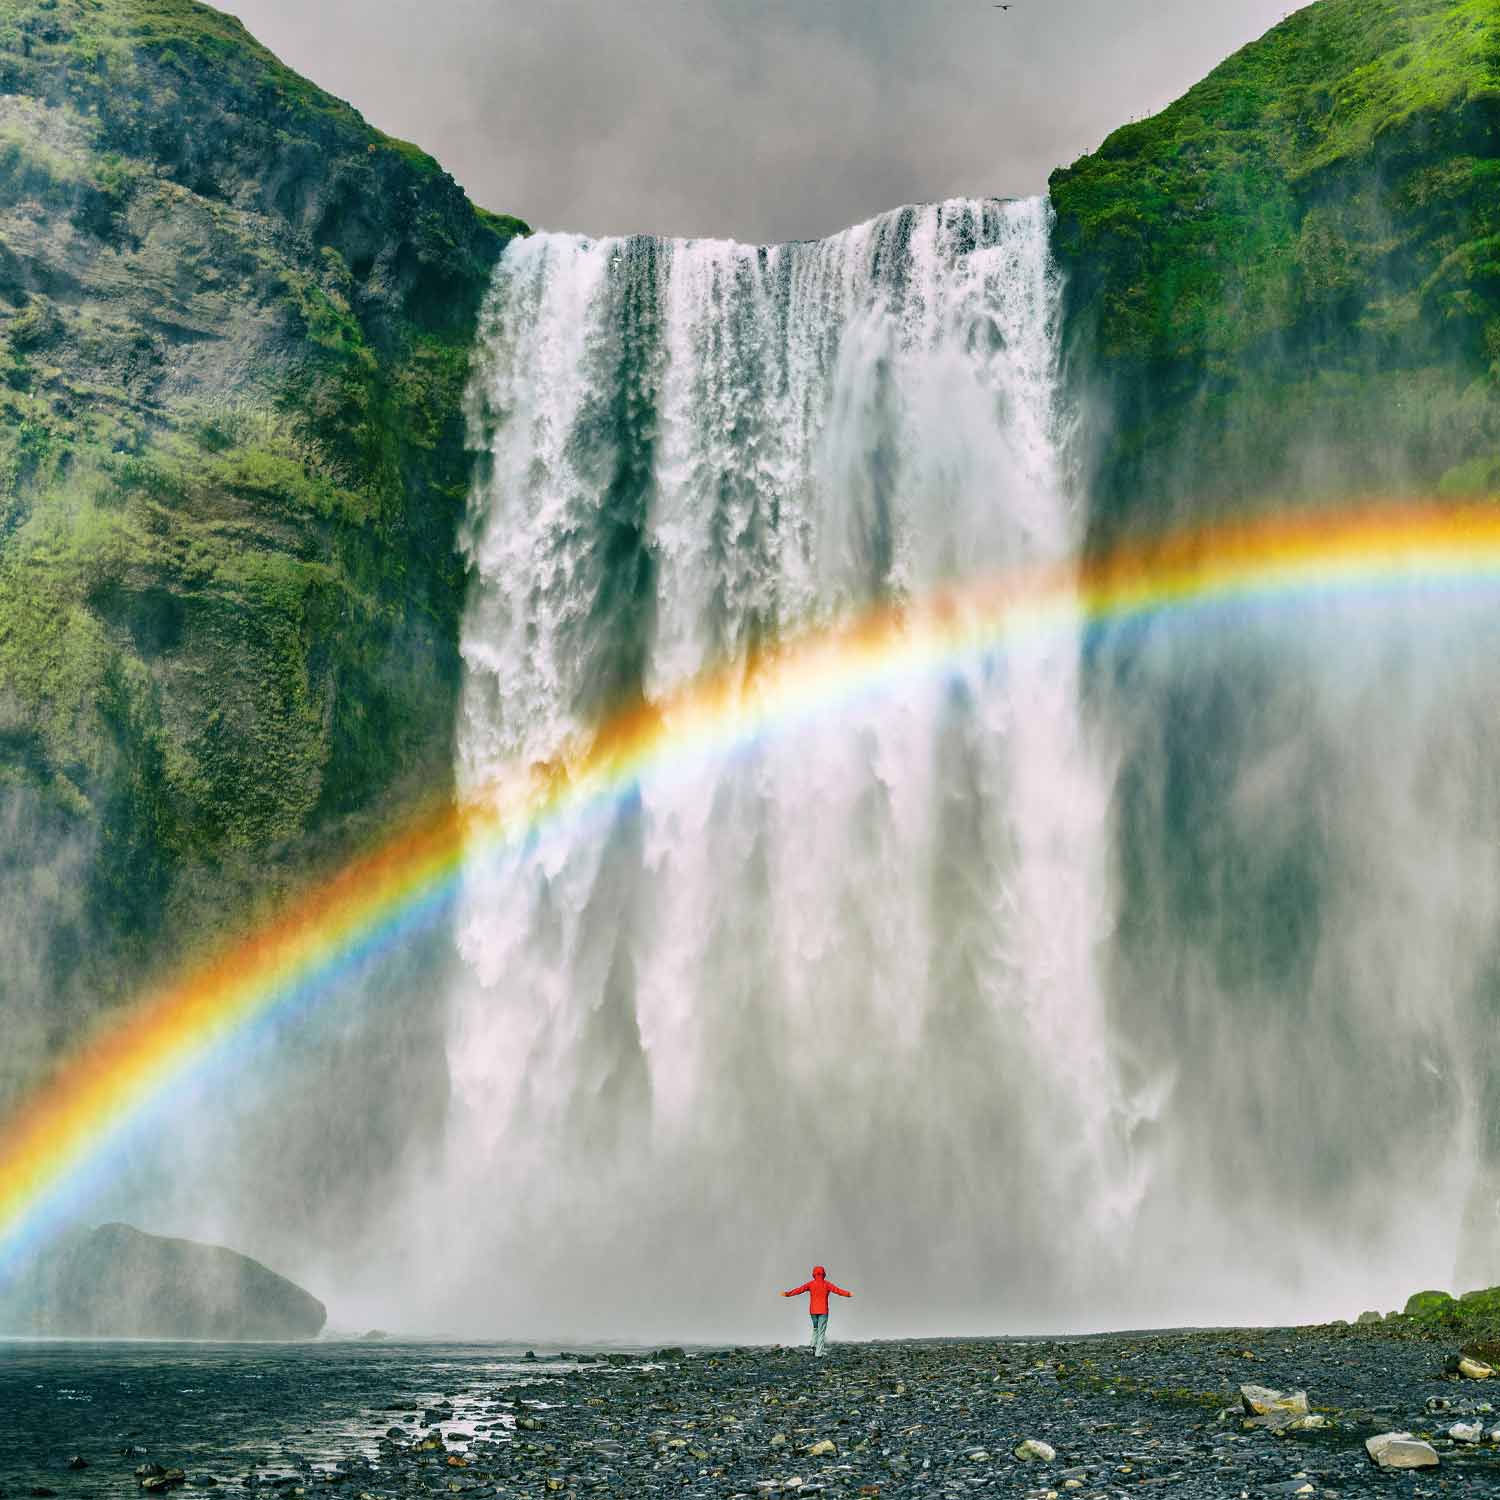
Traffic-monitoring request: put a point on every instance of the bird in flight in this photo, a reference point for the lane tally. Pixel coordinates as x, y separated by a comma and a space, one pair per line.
999, 7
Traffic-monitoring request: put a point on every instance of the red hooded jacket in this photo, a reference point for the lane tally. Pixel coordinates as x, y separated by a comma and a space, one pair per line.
819, 1286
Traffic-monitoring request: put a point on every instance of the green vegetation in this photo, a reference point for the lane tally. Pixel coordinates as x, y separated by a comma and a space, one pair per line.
1287, 284
235, 325
1469, 1319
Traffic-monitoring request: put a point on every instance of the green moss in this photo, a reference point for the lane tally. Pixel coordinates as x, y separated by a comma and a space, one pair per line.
414, 156
505, 224
1427, 1304
1287, 284
1476, 478
1205, 202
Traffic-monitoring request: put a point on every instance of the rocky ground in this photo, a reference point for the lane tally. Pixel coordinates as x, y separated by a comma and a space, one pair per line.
1120, 1413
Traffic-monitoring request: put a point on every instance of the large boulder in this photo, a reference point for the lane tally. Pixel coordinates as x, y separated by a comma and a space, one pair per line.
1430, 1304
1400, 1450
118, 1282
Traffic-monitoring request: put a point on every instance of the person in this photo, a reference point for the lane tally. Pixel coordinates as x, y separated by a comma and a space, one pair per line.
817, 1304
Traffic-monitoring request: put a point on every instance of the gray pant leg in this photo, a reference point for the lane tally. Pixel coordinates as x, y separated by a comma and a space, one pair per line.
820, 1331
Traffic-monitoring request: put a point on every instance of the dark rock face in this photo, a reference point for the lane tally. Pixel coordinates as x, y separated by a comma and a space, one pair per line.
117, 1282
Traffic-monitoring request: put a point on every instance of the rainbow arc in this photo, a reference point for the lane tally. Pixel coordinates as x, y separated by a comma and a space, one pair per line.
70, 1120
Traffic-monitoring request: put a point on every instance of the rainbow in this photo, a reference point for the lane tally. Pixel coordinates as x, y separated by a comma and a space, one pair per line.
54, 1143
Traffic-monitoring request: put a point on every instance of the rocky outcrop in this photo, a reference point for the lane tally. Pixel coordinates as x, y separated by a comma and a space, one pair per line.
1287, 285
116, 1282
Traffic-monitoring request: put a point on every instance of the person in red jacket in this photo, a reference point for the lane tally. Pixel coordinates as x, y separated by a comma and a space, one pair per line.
817, 1304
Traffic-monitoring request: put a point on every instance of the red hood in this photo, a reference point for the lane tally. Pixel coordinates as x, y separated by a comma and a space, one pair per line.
819, 1271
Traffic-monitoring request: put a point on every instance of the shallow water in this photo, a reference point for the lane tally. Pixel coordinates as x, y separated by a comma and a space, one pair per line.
223, 1409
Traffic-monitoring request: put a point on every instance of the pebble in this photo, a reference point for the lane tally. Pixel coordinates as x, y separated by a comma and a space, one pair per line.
1034, 1449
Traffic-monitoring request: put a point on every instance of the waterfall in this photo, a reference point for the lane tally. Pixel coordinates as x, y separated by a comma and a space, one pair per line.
834, 996
1016, 1013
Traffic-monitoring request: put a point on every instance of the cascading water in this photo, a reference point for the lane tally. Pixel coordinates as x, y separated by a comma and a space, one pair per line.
833, 995
1015, 1015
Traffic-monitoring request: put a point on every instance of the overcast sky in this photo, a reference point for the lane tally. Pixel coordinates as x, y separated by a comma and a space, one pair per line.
756, 119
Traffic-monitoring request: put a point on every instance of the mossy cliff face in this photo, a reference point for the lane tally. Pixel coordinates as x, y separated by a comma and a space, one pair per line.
1284, 293
1287, 286
234, 334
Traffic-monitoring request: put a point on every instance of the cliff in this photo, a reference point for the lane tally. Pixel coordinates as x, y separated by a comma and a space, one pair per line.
1284, 291
1287, 285
235, 324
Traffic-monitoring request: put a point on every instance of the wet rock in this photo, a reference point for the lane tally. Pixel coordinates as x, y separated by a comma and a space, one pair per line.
1261, 1401
1474, 1369
1314, 1421
168, 1479
1400, 1450
1034, 1450
1466, 1432
77, 1462
822, 1448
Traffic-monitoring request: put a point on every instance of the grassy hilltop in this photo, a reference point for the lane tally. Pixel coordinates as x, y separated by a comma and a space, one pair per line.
1288, 283
235, 324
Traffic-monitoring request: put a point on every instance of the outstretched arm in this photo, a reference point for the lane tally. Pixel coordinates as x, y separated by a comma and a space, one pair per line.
797, 1291
839, 1290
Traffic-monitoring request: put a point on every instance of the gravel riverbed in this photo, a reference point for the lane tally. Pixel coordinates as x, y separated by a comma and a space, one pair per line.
1122, 1413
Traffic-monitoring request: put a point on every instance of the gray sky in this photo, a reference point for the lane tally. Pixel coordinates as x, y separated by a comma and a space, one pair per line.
756, 119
